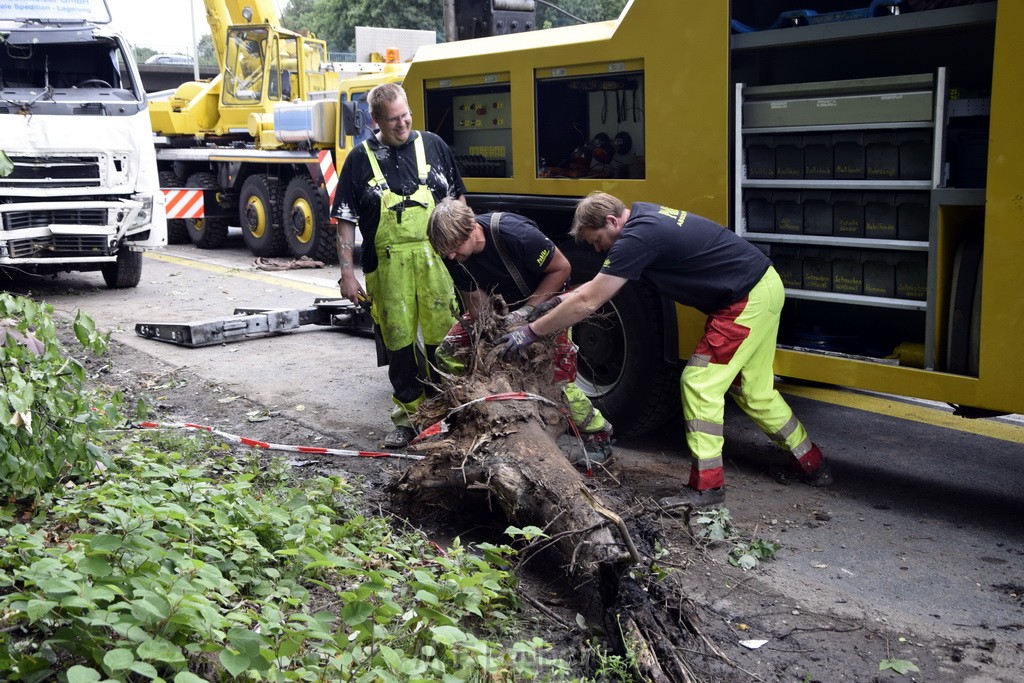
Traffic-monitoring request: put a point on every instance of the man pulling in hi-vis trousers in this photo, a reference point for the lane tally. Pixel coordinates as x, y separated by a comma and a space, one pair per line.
389, 185
506, 254
697, 263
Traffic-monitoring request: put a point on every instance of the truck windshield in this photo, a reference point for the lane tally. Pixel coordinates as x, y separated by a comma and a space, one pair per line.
244, 66
38, 77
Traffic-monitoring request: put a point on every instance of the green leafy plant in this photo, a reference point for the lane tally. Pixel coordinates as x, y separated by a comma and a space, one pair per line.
900, 666
749, 555
47, 419
612, 667
186, 562
716, 525
170, 557
622, 668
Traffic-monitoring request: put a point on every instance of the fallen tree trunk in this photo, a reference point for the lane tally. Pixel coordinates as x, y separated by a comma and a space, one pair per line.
498, 429
510, 454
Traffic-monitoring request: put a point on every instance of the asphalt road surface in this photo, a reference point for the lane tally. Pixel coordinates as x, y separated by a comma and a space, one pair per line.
923, 529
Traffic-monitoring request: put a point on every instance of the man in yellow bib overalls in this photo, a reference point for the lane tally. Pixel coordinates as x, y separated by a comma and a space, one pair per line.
389, 185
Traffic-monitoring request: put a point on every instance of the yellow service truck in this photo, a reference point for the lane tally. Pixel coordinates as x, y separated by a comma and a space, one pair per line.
872, 149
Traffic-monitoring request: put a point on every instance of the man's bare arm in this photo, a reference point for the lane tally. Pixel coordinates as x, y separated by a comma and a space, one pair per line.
555, 276
579, 304
349, 285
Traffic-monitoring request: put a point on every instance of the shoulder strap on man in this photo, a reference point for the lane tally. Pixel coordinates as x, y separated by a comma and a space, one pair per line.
422, 167
378, 179
505, 258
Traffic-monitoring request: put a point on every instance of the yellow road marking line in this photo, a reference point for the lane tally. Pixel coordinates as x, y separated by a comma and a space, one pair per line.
258, 277
894, 407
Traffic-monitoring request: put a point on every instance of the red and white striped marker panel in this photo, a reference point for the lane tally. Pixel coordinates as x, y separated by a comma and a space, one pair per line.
184, 203
330, 176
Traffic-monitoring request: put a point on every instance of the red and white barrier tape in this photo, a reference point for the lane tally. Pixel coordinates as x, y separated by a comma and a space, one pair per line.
437, 428
255, 443
441, 426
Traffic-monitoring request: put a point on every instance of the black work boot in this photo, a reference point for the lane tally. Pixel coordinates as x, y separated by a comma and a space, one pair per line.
811, 468
692, 498
399, 437
818, 478
599, 444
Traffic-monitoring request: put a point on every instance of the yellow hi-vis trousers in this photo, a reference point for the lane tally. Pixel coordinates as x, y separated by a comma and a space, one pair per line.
736, 355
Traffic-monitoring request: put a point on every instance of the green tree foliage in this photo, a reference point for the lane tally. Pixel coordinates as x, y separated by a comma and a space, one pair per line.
335, 20
143, 53
207, 55
587, 10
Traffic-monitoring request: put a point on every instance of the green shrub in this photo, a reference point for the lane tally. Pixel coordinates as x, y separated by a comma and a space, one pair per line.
190, 564
48, 424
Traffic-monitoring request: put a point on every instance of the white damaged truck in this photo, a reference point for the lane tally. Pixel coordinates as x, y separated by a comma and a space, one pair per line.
83, 193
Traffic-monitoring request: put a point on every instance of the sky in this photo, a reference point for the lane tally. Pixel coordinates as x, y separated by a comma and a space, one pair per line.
162, 25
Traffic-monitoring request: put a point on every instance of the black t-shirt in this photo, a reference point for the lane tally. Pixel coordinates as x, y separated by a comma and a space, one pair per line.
686, 257
528, 248
356, 201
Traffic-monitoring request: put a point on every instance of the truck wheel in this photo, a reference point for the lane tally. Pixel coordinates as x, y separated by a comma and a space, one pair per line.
177, 233
259, 214
622, 362
206, 233
305, 221
125, 272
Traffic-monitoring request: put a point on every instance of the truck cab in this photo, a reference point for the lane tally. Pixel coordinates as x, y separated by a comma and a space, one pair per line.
83, 192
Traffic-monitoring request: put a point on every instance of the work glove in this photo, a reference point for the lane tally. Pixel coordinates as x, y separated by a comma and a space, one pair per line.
520, 316
516, 341
544, 308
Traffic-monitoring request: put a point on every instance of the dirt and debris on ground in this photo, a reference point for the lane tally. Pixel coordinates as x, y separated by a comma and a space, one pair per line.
746, 629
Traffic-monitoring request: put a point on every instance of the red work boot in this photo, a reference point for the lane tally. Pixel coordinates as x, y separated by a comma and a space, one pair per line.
811, 468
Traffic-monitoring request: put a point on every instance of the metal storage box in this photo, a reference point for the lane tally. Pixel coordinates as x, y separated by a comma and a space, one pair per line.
305, 122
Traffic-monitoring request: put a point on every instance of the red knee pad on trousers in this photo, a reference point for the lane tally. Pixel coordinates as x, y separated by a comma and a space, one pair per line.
564, 362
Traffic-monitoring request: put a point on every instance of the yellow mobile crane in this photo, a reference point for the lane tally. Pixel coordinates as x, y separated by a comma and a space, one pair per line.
257, 140
874, 152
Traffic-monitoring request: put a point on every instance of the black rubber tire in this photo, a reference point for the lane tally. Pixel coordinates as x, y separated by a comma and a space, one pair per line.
621, 363
966, 266
206, 233
177, 232
259, 215
974, 346
306, 224
126, 272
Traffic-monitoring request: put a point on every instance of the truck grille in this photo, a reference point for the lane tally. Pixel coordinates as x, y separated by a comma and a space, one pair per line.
59, 245
52, 171
18, 220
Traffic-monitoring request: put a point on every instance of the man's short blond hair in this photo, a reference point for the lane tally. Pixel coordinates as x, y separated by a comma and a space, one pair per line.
449, 225
383, 95
591, 212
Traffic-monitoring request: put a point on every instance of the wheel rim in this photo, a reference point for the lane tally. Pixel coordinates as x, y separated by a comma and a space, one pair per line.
197, 224
255, 217
302, 220
603, 354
